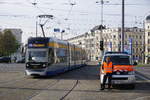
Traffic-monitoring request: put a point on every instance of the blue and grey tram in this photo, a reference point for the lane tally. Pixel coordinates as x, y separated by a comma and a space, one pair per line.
50, 56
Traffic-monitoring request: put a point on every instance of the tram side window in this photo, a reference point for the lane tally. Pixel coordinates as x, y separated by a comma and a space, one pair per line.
74, 56
51, 55
78, 55
61, 55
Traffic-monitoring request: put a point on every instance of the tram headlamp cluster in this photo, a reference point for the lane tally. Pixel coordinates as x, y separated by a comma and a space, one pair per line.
27, 65
44, 65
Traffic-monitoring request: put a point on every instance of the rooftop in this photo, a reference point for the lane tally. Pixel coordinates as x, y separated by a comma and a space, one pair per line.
148, 17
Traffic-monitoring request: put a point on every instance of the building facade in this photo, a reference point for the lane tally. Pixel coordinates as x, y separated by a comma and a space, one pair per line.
147, 40
112, 42
134, 41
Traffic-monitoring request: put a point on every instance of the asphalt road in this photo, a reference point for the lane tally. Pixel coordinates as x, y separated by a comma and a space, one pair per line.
79, 84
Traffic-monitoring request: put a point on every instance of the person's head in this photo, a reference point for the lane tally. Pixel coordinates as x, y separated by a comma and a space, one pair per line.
107, 59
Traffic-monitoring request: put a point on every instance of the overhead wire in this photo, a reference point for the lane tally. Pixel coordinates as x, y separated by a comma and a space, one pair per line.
71, 9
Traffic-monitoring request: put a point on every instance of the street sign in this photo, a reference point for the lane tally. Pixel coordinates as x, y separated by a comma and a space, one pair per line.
128, 47
56, 30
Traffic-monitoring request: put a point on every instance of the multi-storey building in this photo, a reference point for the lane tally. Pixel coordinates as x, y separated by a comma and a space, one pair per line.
112, 41
79, 40
147, 39
133, 41
89, 41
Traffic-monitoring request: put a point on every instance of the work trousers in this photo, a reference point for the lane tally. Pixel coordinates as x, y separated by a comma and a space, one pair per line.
109, 77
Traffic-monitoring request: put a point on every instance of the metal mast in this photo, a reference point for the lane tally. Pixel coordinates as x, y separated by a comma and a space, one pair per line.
122, 29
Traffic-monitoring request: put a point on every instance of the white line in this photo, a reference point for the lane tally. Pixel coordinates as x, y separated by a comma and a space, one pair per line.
142, 77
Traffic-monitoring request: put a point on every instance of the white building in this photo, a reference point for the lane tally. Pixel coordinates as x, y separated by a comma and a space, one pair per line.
112, 41
147, 40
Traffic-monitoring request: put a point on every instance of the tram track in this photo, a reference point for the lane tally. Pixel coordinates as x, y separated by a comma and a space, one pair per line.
63, 97
38, 92
32, 86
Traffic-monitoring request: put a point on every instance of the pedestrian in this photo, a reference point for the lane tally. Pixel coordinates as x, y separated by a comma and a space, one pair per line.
107, 67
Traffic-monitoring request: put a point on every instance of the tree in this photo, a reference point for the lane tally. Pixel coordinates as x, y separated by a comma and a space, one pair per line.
8, 43
1, 40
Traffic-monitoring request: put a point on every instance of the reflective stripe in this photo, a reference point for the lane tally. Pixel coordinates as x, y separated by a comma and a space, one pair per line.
123, 67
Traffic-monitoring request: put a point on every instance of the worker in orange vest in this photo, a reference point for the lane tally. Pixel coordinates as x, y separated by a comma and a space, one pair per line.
107, 66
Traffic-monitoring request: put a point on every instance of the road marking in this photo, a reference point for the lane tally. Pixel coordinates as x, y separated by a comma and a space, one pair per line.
142, 77
143, 98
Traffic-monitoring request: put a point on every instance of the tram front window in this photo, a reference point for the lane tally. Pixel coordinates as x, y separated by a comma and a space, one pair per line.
37, 56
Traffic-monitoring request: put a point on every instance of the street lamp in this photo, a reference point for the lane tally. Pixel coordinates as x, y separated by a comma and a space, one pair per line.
101, 26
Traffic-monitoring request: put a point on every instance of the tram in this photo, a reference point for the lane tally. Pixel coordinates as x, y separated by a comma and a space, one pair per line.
50, 56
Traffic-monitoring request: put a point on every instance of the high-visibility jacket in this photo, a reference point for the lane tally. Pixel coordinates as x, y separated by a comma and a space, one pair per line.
108, 67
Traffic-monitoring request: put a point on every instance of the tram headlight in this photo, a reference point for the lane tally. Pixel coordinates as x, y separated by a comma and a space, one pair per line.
44, 65
27, 65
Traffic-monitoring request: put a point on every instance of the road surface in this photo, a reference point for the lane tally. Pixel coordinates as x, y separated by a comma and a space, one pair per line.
79, 84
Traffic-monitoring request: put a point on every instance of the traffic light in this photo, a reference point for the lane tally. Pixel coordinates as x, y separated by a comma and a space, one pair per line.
101, 45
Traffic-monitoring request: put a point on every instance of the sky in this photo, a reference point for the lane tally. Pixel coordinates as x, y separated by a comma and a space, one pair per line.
74, 19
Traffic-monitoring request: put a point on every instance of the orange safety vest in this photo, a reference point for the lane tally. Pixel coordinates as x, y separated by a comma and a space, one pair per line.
108, 67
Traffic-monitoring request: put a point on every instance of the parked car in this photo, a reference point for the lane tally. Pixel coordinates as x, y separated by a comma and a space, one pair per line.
5, 59
22, 60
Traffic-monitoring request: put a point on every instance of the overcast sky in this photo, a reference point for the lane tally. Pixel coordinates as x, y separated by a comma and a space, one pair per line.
81, 17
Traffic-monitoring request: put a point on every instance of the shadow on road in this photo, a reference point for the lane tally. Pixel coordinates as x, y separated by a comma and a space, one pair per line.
84, 73
140, 88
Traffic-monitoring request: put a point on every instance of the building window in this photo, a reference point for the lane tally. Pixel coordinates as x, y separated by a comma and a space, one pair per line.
148, 33
114, 36
120, 36
133, 57
125, 42
140, 37
133, 51
148, 49
136, 43
129, 36
148, 27
137, 50
148, 41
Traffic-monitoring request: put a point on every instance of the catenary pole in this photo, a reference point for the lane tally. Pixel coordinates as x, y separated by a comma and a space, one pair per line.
122, 29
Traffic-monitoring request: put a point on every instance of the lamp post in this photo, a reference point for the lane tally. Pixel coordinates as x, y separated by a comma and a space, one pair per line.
122, 29
101, 26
